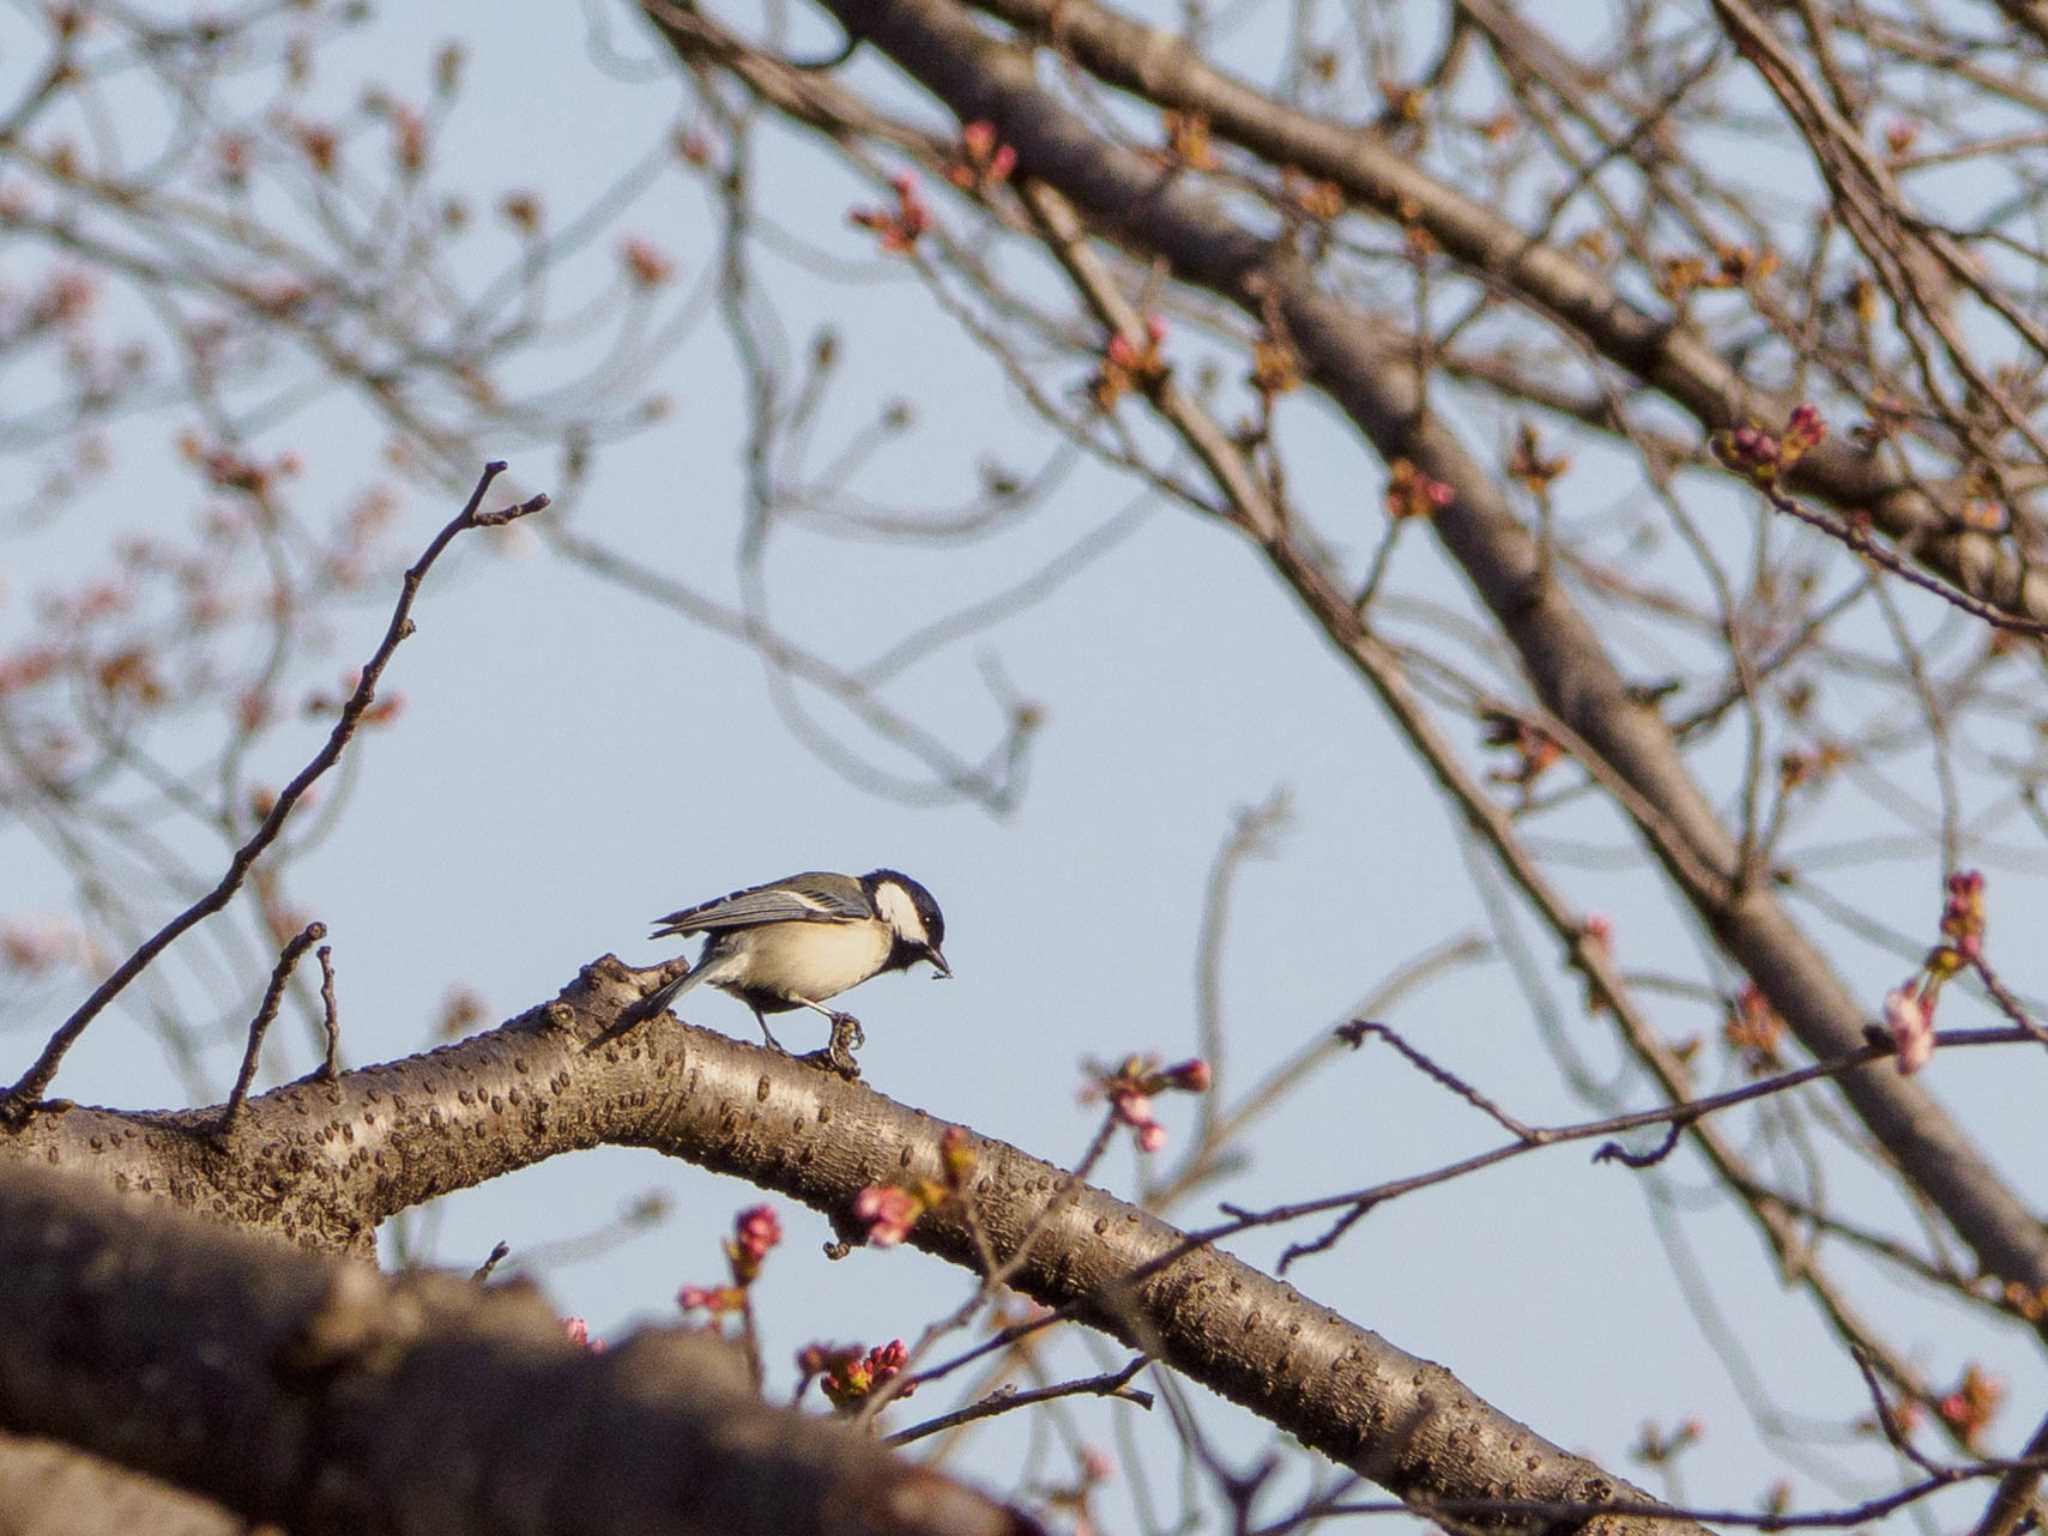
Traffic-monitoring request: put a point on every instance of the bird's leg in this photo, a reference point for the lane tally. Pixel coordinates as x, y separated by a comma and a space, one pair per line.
761, 1019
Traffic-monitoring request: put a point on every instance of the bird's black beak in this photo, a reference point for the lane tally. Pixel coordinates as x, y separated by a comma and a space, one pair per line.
939, 967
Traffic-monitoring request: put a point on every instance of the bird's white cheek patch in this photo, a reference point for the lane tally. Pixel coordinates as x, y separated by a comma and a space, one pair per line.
896, 908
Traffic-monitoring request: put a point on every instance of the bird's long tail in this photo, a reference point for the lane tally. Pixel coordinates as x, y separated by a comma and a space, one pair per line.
668, 992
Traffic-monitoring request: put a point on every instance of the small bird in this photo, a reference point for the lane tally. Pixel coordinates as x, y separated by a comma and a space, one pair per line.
793, 943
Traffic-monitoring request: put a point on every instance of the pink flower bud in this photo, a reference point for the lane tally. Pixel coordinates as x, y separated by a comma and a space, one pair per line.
889, 1213
1191, 1076
757, 1231
1911, 1023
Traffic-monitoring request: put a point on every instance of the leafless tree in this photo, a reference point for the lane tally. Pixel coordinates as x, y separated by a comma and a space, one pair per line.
1699, 341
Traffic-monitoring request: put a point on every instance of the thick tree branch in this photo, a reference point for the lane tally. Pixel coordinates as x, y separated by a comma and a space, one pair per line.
315, 1393
323, 1162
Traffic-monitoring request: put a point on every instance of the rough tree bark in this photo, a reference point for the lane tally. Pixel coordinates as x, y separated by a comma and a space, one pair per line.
317, 1394
322, 1163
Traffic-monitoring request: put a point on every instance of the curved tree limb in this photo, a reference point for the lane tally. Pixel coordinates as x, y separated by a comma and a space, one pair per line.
313, 1392
321, 1163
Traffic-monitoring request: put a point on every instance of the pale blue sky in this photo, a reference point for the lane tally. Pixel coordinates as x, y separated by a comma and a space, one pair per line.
573, 760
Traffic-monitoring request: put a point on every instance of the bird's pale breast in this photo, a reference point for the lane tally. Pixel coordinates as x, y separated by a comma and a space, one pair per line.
814, 960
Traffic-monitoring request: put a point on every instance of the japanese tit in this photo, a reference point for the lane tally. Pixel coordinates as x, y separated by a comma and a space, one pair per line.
796, 942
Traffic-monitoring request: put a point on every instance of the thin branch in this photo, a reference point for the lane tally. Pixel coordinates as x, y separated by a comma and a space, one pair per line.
20, 1101
1358, 1031
329, 1014
259, 1026
1251, 836
1114, 1384
1675, 1116
500, 1251
1856, 535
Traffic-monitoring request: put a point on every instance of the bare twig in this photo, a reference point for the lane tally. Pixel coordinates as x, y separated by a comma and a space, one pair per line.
20, 1100
259, 1026
498, 1254
1114, 1384
1887, 1421
1358, 1031
1675, 1116
1855, 534
330, 1016
1251, 836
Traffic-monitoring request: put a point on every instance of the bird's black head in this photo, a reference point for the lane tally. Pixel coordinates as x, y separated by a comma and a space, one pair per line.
910, 912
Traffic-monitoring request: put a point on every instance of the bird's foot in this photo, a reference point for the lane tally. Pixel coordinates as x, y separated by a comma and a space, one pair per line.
847, 1037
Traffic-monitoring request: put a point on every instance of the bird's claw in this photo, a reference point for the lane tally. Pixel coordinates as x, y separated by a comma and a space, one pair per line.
847, 1037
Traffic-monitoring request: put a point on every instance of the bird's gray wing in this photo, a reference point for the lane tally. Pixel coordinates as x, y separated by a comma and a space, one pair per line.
814, 897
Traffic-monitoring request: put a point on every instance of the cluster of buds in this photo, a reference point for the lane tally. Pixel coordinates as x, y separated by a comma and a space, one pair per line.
1909, 1007
1404, 103
408, 139
1411, 493
755, 1232
691, 147
1096, 1469
522, 211
984, 163
1969, 1409
1962, 918
1658, 1447
1127, 366
1797, 769
1321, 200
231, 161
1982, 514
1529, 466
1534, 750
1418, 243
1131, 1086
131, 672
1735, 266
900, 226
2030, 1302
229, 471
31, 945
320, 144
1188, 140
28, 668
1597, 938
889, 1211
646, 265
1762, 457
381, 712
64, 300
1275, 369
848, 1376
580, 1334
1753, 1030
